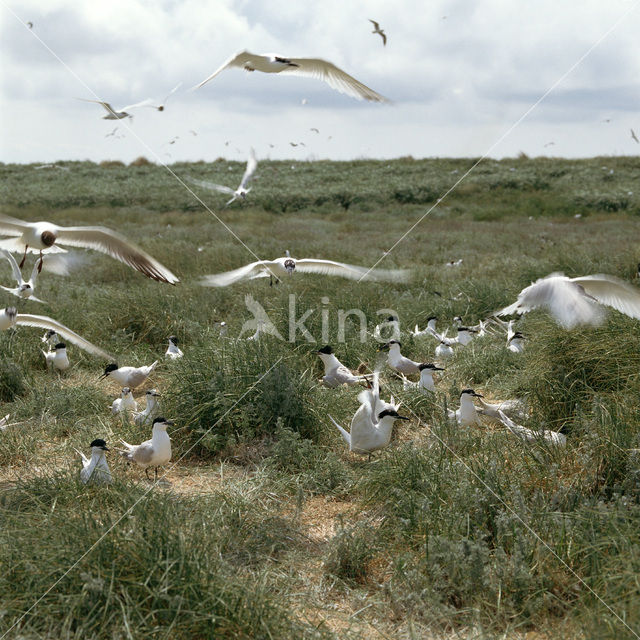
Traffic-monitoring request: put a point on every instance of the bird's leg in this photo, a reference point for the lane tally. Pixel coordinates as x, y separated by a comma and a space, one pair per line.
271, 281
24, 257
40, 264
156, 476
146, 473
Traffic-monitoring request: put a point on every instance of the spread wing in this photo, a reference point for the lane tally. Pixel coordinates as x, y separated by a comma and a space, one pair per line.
44, 322
252, 163
335, 77
237, 60
212, 186
148, 102
331, 268
106, 105
117, 247
172, 92
252, 270
374, 23
17, 276
11, 226
612, 292
143, 453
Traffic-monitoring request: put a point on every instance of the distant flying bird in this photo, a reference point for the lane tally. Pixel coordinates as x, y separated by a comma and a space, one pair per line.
25, 288
634, 136
241, 191
10, 317
116, 114
575, 301
297, 144
310, 67
282, 267
45, 237
113, 133
30, 24
314, 129
379, 31
549, 144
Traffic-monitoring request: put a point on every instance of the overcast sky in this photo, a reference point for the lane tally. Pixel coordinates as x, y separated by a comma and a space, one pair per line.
459, 73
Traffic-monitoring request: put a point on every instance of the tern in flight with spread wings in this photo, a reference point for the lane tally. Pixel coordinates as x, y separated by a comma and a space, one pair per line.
118, 114
241, 191
45, 237
323, 70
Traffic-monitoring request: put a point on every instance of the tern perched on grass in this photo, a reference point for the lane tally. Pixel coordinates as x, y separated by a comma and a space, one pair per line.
577, 301
151, 453
57, 358
124, 403
379, 31
128, 376
173, 351
151, 411
44, 237
530, 435
10, 317
466, 415
25, 288
430, 329
426, 383
335, 373
241, 191
283, 267
372, 423
95, 470
397, 361
516, 343
310, 67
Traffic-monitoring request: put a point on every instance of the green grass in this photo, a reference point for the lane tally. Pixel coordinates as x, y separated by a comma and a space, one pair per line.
269, 528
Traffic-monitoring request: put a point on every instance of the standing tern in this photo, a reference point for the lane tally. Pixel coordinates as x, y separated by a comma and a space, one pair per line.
282, 267
151, 453
95, 470
46, 236
335, 373
397, 361
241, 191
426, 383
128, 376
124, 403
25, 288
466, 415
379, 31
151, 411
576, 301
173, 351
10, 317
57, 358
311, 67
117, 114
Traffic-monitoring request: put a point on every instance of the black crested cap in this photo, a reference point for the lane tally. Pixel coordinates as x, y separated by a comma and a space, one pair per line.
432, 318
392, 318
467, 391
109, 368
394, 342
391, 412
50, 332
60, 345
429, 365
517, 334
326, 349
99, 442
162, 419
174, 339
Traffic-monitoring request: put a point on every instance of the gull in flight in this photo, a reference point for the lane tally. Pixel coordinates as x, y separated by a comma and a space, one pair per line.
151, 453
45, 237
310, 67
95, 470
128, 376
241, 191
379, 31
25, 288
117, 114
576, 301
10, 317
149, 102
283, 267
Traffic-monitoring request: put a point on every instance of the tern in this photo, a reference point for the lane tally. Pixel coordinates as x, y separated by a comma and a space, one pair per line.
530, 435
45, 237
124, 403
379, 31
310, 67
466, 415
515, 408
95, 470
372, 423
282, 267
173, 351
25, 288
57, 358
430, 329
391, 323
151, 411
128, 376
516, 343
465, 335
425, 384
159, 107
397, 361
241, 191
335, 373
10, 317
117, 114
444, 351
577, 301
151, 453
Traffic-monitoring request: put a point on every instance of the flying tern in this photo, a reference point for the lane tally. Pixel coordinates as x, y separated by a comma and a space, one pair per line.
151, 453
379, 31
117, 114
10, 317
241, 191
577, 301
310, 67
25, 288
95, 470
45, 237
282, 267
128, 376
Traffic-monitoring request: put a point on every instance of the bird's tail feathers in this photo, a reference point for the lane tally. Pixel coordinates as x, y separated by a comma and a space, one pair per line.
345, 434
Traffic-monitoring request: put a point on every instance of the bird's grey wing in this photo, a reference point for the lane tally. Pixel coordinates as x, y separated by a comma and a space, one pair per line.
85, 460
17, 275
252, 163
143, 453
332, 268
147, 102
231, 277
118, 247
236, 60
212, 186
335, 77
384, 39
11, 226
44, 322
106, 105
612, 292
374, 23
